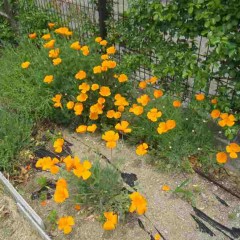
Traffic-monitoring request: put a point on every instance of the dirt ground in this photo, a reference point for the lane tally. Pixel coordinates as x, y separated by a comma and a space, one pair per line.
13, 225
168, 213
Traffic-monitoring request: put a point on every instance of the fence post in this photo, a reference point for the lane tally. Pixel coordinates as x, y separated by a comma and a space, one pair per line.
103, 16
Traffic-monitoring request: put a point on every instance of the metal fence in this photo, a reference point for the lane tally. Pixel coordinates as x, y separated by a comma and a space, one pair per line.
89, 17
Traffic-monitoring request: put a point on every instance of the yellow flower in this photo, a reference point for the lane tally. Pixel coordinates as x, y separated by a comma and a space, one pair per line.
48, 79
111, 221
32, 35
200, 97
51, 25
103, 42
177, 104
49, 44
144, 99
25, 65
221, 157
46, 36
98, 39
158, 93
138, 203
63, 31
105, 91
233, 149
122, 78
215, 113
82, 170
75, 45
81, 129
111, 138
92, 128
58, 145
65, 224
85, 50
54, 53
57, 100
82, 97
154, 114
56, 61
227, 120
111, 50
78, 108
70, 105
142, 149
97, 69
136, 109
123, 127
94, 87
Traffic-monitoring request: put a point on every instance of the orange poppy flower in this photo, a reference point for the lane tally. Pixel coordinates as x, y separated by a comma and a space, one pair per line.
82, 97
233, 149
111, 50
51, 25
80, 75
227, 120
65, 224
221, 157
76, 45
82, 170
53, 53
154, 114
48, 79
94, 87
142, 84
162, 128
32, 35
46, 36
97, 69
136, 109
120, 100
25, 65
157, 237
84, 87
138, 203
158, 93
105, 91
122, 78
165, 188
177, 104
49, 44
57, 100
123, 127
144, 99
81, 129
215, 113
70, 105
200, 97
142, 149
92, 128
111, 221
111, 138
104, 57
103, 42
58, 145
77, 207
85, 50
214, 101
63, 31
98, 39
78, 108
46, 163
56, 61
170, 124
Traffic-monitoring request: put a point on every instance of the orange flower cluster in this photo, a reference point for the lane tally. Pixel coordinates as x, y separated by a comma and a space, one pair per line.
64, 31
84, 128
47, 163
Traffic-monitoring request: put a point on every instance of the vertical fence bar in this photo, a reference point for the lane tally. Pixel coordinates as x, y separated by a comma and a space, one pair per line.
103, 16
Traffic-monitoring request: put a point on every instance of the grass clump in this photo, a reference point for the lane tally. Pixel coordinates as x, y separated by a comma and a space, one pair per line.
15, 134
